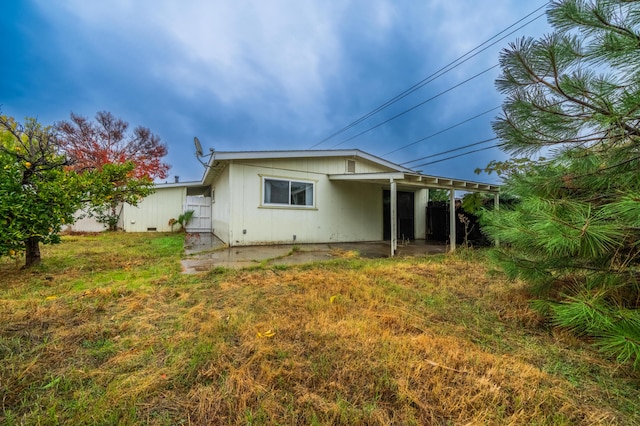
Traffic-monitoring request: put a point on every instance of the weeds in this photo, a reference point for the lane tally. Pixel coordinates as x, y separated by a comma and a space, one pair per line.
108, 331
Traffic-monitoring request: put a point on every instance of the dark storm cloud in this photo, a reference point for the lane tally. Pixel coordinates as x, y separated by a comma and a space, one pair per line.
261, 75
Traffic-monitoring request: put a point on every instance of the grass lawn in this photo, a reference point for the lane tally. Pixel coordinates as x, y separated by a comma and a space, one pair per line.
108, 331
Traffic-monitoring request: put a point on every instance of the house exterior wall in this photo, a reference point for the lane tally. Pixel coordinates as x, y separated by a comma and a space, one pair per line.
221, 206
155, 211
84, 223
343, 211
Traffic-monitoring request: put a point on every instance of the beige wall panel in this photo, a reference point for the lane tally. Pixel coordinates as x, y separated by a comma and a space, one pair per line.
328, 165
344, 211
220, 208
155, 211
84, 223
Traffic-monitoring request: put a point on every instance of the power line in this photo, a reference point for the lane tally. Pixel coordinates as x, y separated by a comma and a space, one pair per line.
499, 145
436, 74
436, 96
417, 105
459, 155
442, 131
450, 150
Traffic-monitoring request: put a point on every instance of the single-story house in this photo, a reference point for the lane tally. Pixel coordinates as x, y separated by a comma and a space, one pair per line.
307, 196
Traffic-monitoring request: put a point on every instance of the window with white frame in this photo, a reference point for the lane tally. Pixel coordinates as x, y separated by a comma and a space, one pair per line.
283, 192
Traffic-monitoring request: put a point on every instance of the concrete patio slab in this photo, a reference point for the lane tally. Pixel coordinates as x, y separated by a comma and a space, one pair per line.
205, 252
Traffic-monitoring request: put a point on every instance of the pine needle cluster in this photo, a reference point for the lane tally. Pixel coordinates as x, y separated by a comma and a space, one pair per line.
575, 233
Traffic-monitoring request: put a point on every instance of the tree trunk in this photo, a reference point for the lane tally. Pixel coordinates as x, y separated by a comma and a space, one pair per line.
32, 245
113, 220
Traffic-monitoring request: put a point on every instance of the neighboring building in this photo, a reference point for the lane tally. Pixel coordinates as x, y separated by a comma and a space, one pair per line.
276, 197
168, 202
155, 211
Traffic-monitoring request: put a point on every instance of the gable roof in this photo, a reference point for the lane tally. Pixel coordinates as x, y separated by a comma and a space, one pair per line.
219, 160
263, 155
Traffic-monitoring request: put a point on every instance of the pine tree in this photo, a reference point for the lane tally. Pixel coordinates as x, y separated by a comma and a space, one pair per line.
574, 97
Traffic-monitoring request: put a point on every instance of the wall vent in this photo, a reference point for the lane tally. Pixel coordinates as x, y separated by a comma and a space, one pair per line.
152, 229
351, 166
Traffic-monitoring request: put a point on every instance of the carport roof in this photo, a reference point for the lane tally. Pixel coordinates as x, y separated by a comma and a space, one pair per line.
417, 180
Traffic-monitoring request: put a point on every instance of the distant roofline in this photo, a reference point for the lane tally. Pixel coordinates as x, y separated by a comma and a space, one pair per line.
177, 184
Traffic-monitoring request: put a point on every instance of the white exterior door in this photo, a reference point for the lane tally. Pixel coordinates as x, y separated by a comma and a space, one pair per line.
201, 219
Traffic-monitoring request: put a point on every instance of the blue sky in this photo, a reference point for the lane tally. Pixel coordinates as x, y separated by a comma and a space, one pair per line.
266, 75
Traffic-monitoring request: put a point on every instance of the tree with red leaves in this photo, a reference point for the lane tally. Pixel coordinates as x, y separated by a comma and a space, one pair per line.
121, 165
91, 145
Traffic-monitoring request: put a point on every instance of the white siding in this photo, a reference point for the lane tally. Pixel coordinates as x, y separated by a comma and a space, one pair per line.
344, 211
155, 211
84, 223
220, 209
323, 165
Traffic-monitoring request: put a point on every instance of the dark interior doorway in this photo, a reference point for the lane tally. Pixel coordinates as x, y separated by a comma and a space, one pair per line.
406, 215
438, 221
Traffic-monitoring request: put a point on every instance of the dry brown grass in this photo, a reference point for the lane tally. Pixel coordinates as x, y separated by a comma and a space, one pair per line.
419, 341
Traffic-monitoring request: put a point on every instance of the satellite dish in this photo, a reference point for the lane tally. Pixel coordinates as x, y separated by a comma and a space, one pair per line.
199, 152
196, 141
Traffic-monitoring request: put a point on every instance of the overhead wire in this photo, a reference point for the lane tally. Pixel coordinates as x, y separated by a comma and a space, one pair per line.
450, 150
435, 75
583, 140
443, 130
441, 93
458, 155
417, 105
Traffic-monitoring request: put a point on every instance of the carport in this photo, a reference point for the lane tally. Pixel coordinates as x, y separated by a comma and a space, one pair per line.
395, 180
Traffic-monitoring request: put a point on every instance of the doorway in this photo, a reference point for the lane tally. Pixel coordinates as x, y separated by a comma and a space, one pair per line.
406, 215
438, 221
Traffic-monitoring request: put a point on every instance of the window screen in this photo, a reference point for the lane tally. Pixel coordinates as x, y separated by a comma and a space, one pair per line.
301, 194
288, 192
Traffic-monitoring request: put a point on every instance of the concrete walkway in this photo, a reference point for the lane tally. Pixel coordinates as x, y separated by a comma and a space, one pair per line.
205, 252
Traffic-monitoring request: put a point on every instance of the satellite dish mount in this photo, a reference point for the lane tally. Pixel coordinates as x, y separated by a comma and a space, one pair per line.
199, 152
